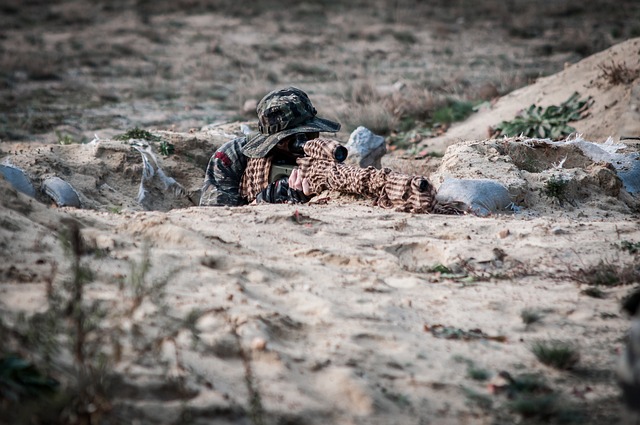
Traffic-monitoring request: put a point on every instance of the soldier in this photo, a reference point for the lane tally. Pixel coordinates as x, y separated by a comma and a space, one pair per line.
283, 115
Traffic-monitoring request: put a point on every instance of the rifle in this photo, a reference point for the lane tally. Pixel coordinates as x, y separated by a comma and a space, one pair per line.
279, 171
296, 147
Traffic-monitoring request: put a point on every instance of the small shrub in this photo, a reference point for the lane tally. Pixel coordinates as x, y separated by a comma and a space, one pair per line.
530, 397
530, 315
617, 73
631, 247
453, 112
593, 291
557, 354
405, 37
551, 122
65, 139
165, 147
137, 133
479, 399
21, 380
478, 374
556, 188
609, 274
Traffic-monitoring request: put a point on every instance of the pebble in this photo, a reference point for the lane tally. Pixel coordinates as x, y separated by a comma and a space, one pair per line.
258, 344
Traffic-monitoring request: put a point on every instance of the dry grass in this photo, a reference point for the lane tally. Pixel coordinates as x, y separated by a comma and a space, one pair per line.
608, 274
384, 110
615, 74
557, 354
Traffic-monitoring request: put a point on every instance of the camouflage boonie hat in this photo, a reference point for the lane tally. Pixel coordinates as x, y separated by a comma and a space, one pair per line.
282, 113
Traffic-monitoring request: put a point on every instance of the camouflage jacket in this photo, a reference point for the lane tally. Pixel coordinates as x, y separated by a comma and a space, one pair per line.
223, 175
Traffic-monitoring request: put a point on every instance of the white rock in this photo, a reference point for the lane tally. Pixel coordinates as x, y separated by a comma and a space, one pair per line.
365, 148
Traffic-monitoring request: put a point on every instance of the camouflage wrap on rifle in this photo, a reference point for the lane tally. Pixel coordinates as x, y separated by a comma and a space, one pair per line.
388, 188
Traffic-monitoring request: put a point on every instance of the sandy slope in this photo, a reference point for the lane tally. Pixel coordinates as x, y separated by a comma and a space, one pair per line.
616, 112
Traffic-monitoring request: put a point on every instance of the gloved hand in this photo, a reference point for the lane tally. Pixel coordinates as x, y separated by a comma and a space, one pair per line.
279, 192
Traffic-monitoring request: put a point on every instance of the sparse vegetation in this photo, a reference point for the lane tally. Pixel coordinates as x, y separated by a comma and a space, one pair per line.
619, 73
66, 355
593, 292
137, 133
166, 148
551, 122
455, 110
630, 247
556, 187
65, 139
555, 353
531, 315
478, 374
608, 274
531, 398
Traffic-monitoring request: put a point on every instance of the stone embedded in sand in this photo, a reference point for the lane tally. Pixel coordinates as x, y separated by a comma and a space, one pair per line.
18, 179
258, 344
482, 196
365, 148
599, 174
62, 193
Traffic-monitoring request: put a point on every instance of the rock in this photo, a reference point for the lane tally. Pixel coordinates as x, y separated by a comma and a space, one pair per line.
365, 148
18, 179
481, 196
258, 344
62, 193
250, 106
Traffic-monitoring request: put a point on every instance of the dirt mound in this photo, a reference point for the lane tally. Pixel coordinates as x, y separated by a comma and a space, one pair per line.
615, 111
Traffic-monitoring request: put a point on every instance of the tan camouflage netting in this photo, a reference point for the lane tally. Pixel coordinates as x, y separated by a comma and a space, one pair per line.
388, 188
255, 177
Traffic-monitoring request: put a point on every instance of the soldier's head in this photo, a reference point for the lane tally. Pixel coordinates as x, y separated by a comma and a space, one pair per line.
282, 114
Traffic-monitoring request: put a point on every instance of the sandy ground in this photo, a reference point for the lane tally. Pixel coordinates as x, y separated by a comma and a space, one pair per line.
340, 311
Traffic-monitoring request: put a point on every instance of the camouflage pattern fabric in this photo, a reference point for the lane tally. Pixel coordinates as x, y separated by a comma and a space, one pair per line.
223, 176
255, 177
388, 188
282, 113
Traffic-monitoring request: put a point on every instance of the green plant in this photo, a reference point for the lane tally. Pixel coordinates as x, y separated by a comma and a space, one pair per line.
551, 122
21, 380
530, 397
556, 187
166, 148
79, 342
65, 139
593, 291
454, 111
478, 374
631, 247
405, 37
479, 399
137, 133
530, 315
555, 353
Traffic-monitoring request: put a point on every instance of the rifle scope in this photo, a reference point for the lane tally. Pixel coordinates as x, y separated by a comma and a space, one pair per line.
296, 146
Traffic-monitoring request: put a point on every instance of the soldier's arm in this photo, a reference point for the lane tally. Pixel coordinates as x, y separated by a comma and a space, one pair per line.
223, 176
